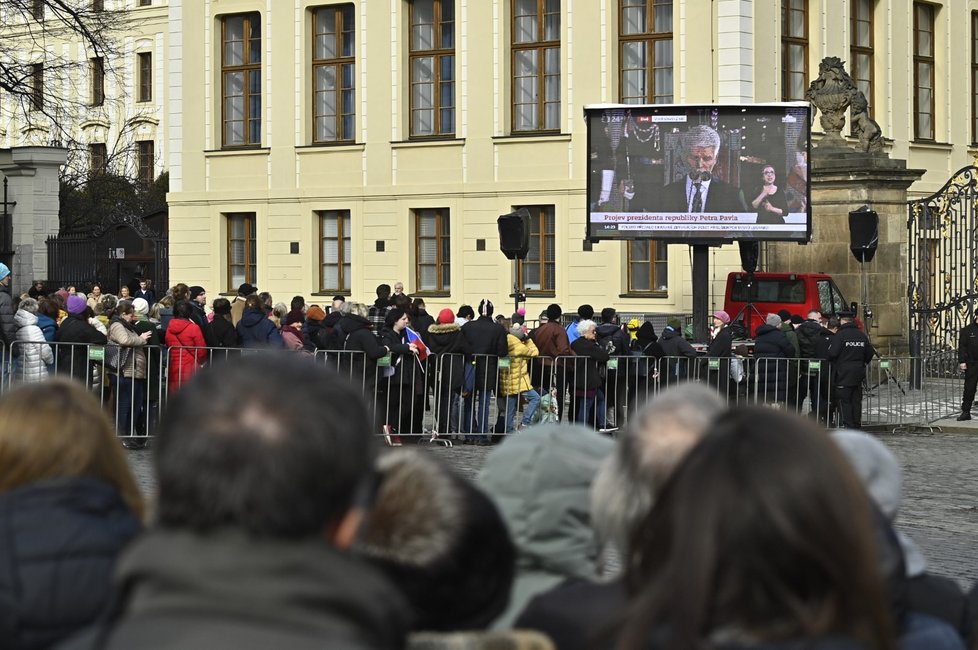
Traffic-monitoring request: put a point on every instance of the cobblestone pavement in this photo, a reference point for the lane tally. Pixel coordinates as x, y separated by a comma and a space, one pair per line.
940, 505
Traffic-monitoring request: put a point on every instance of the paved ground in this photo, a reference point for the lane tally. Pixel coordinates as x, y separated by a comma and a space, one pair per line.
940, 507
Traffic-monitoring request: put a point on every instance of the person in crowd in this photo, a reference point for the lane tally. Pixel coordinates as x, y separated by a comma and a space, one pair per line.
32, 353
130, 371
245, 289
515, 380
519, 316
810, 332
95, 295
464, 315
8, 328
145, 322
94, 320
337, 303
785, 559
643, 365
316, 335
540, 482
676, 350
277, 314
771, 353
421, 320
588, 377
257, 559
68, 507
968, 364
360, 353
220, 332
125, 293
768, 199
584, 312
298, 302
177, 293
575, 612
198, 300
255, 329
292, 330
486, 341
446, 342
850, 351
926, 595
330, 322
73, 338
422, 529
721, 349
613, 338
378, 311
47, 318
188, 349
403, 378
37, 290
107, 309
145, 291
550, 369
826, 400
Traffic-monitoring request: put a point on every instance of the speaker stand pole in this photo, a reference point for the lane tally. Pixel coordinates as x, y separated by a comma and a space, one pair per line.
701, 292
516, 285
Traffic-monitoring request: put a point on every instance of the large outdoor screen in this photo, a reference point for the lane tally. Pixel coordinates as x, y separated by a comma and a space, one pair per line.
699, 173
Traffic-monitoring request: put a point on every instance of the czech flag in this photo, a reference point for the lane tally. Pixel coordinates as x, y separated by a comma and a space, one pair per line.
414, 337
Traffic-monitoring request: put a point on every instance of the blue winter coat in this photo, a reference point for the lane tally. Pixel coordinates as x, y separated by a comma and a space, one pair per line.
256, 331
58, 544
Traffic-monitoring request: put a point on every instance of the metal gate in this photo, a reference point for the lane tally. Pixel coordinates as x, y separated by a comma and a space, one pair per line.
123, 247
942, 288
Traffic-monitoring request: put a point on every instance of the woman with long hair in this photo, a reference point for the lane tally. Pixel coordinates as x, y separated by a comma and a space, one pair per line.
188, 350
68, 505
762, 538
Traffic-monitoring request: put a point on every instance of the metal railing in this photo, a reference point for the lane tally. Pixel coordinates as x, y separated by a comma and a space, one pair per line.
473, 397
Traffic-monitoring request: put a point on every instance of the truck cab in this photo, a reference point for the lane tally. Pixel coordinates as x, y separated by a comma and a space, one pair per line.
749, 300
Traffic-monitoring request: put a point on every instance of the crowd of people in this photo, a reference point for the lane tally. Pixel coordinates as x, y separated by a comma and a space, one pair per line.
465, 373
277, 523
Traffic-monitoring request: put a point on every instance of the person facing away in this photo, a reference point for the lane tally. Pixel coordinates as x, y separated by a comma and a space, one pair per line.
255, 329
265, 472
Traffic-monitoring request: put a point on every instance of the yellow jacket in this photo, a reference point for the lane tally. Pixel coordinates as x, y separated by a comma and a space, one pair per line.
516, 378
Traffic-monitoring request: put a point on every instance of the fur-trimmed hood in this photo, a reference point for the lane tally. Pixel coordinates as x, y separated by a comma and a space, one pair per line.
444, 329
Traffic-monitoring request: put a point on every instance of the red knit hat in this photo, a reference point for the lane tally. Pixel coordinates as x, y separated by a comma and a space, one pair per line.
446, 316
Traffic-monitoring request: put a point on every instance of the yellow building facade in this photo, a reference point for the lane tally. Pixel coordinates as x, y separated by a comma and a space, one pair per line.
318, 148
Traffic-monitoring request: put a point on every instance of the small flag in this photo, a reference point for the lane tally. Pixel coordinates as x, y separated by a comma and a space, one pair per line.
414, 337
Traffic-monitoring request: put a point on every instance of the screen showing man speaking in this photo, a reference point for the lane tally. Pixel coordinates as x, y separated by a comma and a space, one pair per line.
699, 172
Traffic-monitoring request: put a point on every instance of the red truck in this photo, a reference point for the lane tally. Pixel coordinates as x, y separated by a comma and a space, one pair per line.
799, 293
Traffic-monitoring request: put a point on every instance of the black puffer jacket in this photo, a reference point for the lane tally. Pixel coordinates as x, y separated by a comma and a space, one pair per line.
587, 367
486, 340
58, 544
361, 349
72, 360
771, 352
447, 342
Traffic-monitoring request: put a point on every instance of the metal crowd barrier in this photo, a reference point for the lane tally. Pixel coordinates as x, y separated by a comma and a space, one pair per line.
450, 398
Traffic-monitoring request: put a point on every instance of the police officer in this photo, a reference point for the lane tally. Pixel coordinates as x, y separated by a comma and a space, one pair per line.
968, 362
849, 352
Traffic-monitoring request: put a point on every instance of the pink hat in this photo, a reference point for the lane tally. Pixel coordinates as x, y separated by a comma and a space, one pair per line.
723, 316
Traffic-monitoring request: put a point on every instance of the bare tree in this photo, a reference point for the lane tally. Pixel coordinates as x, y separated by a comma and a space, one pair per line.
39, 77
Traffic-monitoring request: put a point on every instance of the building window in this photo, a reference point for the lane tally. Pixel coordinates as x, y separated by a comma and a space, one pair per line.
334, 251
433, 250
145, 92
432, 65
37, 86
648, 263
333, 74
536, 65
536, 274
645, 51
37, 9
145, 3
98, 5
98, 158
145, 159
923, 71
241, 80
97, 70
242, 250
861, 48
794, 50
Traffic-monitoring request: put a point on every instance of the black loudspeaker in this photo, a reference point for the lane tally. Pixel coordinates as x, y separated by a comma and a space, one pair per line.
514, 234
864, 233
749, 251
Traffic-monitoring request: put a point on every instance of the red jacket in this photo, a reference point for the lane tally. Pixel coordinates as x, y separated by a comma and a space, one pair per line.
187, 351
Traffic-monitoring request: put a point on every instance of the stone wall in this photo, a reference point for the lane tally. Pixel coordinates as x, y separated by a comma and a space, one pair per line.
844, 180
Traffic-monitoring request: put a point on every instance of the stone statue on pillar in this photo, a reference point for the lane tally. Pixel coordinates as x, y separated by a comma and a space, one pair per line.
832, 93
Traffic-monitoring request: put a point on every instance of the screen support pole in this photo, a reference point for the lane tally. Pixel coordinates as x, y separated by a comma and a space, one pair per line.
701, 292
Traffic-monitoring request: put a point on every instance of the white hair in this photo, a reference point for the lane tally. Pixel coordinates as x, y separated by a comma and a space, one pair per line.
586, 325
701, 136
